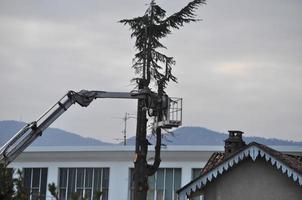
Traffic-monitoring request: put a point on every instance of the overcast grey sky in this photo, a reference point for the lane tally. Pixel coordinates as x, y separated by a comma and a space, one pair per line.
239, 68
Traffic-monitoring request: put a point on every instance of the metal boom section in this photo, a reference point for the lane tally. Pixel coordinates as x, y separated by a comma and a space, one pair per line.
22, 139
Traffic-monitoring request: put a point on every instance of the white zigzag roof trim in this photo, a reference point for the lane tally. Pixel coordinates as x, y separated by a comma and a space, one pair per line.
254, 152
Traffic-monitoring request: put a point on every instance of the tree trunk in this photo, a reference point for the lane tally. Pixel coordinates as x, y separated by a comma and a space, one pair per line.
141, 148
151, 169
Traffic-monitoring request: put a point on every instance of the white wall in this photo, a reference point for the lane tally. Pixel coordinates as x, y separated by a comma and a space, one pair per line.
119, 173
117, 158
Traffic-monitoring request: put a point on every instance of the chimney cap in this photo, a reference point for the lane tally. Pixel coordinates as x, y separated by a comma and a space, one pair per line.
235, 131
233, 142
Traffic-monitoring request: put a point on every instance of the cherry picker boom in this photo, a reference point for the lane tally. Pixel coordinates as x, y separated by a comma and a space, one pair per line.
22, 139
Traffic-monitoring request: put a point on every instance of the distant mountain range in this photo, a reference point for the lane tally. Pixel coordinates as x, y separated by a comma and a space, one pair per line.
203, 136
181, 136
50, 137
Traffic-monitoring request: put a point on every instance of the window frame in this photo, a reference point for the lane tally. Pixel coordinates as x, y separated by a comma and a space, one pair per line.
155, 190
40, 186
83, 187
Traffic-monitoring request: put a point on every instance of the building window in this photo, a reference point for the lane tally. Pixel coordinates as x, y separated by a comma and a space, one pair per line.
83, 182
162, 185
195, 173
35, 179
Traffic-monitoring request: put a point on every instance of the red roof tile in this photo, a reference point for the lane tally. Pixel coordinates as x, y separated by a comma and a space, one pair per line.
217, 158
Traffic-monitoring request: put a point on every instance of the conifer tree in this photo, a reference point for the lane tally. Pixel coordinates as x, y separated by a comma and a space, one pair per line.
151, 65
12, 188
6, 183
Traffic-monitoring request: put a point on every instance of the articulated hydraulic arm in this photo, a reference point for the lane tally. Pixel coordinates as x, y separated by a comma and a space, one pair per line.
31, 131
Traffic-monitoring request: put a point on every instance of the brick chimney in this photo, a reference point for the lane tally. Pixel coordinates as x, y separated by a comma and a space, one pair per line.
234, 142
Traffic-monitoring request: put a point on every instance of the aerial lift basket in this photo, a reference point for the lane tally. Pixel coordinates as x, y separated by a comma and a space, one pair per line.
173, 114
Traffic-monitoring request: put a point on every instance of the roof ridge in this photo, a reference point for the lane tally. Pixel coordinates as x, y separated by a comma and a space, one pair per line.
289, 165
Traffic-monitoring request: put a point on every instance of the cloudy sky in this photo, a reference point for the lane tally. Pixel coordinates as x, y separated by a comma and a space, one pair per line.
239, 68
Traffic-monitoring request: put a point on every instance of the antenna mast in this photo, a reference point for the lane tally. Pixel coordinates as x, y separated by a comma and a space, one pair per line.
125, 119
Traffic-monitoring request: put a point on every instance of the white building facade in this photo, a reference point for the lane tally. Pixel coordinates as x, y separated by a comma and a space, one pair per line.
87, 170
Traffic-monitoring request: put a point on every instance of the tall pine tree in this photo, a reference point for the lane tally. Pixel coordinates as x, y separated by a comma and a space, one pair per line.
151, 65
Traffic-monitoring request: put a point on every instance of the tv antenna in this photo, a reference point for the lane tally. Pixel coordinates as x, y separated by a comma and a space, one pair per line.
124, 131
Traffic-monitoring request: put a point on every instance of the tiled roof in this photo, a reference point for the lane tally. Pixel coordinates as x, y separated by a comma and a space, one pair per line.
214, 160
221, 162
292, 161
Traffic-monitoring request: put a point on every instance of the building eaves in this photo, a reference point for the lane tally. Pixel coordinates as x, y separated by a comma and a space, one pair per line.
219, 163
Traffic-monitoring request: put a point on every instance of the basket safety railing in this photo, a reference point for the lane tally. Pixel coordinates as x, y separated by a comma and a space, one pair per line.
173, 114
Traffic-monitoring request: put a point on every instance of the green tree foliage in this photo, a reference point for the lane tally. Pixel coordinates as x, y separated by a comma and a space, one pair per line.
22, 193
149, 63
75, 196
52, 188
6, 183
98, 195
12, 188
